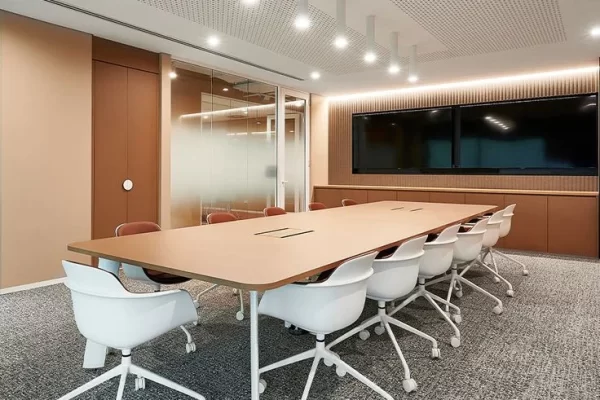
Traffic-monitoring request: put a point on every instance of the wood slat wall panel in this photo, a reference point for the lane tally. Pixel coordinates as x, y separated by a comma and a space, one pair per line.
340, 134
402, 195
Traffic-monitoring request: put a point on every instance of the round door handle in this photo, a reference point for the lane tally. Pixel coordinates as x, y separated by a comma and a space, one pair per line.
127, 184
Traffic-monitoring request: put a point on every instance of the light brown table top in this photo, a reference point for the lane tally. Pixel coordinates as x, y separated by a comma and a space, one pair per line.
233, 254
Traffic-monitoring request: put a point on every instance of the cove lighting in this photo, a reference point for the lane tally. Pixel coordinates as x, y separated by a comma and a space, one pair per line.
466, 84
244, 110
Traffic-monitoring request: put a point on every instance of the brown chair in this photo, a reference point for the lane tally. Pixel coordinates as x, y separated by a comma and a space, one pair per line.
149, 276
349, 202
218, 218
272, 211
316, 206
154, 278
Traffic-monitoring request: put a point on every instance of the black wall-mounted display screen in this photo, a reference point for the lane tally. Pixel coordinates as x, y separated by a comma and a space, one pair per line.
552, 136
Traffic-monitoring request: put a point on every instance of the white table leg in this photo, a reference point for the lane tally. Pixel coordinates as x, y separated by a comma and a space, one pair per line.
254, 344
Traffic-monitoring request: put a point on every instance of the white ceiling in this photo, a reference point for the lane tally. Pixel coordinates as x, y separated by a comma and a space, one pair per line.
456, 39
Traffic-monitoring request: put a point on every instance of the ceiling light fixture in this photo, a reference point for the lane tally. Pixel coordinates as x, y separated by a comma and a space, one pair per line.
394, 67
302, 21
250, 2
370, 55
472, 83
595, 31
213, 41
341, 42
413, 77
172, 74
315, 75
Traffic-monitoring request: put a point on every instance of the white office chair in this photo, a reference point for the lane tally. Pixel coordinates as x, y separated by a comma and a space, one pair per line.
107, 314
504, 231
436, 261
393, 277
466, 250
322, 308
154, 279
490, 238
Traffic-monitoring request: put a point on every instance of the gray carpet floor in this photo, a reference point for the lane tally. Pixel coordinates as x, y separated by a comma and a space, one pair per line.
542, 347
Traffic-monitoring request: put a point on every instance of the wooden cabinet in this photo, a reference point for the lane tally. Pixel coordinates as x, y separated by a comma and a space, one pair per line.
407, 195
125, 113
330, 197
361, 196
447, 197
380, 195
573, 225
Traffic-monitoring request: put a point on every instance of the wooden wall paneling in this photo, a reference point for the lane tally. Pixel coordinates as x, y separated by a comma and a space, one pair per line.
447, 197
330, 197
529, 230
573, 225
109, 203
340, 134
361, 196
406, 195
127, 56
380, 195
485, 199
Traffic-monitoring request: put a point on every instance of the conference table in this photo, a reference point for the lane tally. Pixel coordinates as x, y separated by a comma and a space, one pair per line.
265, 253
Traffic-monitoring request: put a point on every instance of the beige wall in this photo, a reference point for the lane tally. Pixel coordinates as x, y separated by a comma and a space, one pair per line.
319, 141
45, 147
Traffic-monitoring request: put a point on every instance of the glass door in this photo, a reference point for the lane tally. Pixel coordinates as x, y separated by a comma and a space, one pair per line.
292, 145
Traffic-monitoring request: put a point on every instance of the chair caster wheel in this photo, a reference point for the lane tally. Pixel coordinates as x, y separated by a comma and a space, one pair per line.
140, 383
341, 372
455, 341
457, 318
328, 362
287, 324
525, 272
239, 316
379, 330
496, 279
459, 293
235, 291
196, 304
498, 310
435, 353
196, 323
262, 386
409, 385
510, 293
364, 335
190, 347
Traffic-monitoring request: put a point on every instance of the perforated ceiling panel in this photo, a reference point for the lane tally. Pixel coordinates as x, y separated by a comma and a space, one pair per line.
270, 25
470, 27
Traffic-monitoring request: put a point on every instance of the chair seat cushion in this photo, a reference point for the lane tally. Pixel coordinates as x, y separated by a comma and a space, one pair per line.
165, 278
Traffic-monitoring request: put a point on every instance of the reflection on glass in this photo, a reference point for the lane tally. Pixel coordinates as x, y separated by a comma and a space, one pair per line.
295, 154
223, 155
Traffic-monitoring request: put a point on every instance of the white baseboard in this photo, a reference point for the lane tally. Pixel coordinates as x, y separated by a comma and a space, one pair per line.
29, 286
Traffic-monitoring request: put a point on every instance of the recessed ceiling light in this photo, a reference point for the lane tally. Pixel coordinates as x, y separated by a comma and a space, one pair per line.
370, 57
250, 2
225, 89
341, 42
213, 41
172, 74
302, 22
315, 75
413, 78
595, 31
394, 69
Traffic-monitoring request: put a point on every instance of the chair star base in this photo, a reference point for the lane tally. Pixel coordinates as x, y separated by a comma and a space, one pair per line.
125, 368
320, 352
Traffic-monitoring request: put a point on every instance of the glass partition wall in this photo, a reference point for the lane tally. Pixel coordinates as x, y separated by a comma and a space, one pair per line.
225, 150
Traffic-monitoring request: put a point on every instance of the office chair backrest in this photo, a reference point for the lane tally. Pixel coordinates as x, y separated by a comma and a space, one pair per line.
396, 276
134, 228
492, 233
507, 220
438, 253
272, 211
469, 243
316, 206
219, 217
349, 202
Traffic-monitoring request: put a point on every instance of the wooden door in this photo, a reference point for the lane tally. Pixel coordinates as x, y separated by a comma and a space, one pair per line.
109, 148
